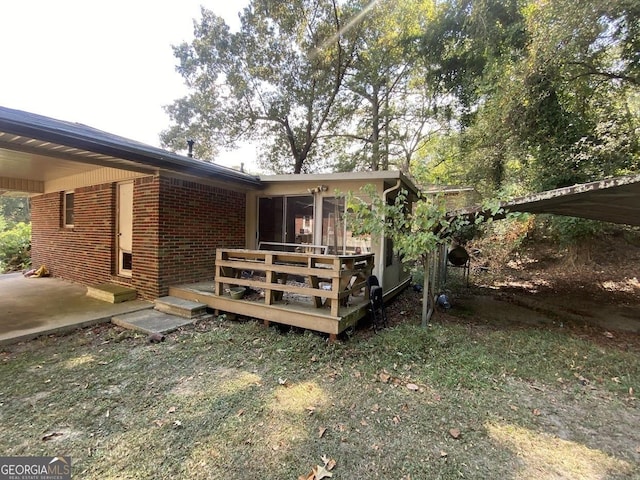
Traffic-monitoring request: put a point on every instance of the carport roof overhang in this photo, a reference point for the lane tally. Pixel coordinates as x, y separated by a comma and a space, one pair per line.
34, 149
615, 200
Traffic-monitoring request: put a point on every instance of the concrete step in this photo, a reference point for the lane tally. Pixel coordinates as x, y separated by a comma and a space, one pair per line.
112, 293
180, 307
151, 322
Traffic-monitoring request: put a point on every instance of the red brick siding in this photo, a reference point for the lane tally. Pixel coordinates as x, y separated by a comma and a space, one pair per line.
195, 219
177, 226
145, 268
83, 253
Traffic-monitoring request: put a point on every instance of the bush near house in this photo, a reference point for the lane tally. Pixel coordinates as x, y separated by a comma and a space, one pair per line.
15, 246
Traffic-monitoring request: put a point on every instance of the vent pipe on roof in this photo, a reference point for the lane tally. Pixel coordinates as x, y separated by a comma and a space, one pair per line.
190, 143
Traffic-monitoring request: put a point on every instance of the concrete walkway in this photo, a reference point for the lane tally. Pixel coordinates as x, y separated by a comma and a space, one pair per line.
30, 307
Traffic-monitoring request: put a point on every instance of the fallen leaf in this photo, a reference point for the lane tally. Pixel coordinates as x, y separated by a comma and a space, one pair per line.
282, 381
536, 412
396, 420
171, 410
308, 476
405, 407
413, 387
158, 423
240, 412
363, 423
455, 433
321, 431
375, 407
311, 409
321, 472
608, 334
513, 407
177, 423
443, 454
384, 377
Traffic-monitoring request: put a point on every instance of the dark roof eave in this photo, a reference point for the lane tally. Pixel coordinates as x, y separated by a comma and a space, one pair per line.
82, 137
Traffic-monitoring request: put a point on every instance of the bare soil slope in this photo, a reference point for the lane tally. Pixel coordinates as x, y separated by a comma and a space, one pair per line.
595, 290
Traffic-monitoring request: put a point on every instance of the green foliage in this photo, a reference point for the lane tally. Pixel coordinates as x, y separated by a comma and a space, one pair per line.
274, 81
416, 230
570, 230
15, 244
415, 233
547, 92
504, 95
15, 209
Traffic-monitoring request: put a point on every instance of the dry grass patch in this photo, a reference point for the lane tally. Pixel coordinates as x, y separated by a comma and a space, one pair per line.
237, 400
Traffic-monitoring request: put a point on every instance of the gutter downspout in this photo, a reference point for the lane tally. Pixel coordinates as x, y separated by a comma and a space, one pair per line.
383, 243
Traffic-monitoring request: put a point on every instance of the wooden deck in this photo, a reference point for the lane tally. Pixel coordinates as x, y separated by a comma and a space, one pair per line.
326, 293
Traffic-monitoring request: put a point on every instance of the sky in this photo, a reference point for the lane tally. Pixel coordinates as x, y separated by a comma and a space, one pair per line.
106, 64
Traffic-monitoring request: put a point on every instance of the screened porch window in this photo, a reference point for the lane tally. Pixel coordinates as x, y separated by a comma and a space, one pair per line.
333, 224
335, 234
287, 220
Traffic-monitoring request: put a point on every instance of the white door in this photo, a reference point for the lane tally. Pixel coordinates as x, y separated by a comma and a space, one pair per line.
125, 228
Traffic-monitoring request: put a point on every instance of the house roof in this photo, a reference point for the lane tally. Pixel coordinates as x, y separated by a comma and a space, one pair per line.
43, 142
615, 200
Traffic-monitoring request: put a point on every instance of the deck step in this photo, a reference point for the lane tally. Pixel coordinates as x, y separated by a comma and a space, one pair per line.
180, 307
112, 293
151, 322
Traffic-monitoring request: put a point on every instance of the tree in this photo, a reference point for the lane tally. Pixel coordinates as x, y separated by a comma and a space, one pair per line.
416, 231
387, 104
275, 81
547, 90
15, 209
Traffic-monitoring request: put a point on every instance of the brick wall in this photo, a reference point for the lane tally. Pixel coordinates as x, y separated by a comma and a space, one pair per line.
146, 268
83, 253
195, 219
177, 226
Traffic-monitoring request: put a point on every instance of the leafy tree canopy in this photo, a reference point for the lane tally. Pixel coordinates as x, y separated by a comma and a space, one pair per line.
274, 81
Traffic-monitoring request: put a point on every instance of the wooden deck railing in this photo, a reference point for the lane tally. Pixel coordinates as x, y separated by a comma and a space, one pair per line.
343, 275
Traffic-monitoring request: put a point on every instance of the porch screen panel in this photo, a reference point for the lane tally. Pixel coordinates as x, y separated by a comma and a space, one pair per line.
270, 216
299, 219
333, 227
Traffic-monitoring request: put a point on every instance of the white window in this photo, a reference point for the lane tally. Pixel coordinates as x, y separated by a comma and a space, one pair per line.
67, 208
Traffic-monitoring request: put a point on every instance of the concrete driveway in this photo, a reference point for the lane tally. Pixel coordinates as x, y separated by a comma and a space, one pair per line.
30, 307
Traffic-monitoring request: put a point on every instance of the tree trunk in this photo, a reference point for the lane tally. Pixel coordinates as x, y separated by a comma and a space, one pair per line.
375, 132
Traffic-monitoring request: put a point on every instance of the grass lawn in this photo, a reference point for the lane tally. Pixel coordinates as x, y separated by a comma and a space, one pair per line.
236, 400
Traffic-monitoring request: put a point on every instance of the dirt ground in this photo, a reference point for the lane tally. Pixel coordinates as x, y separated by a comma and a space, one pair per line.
545, 286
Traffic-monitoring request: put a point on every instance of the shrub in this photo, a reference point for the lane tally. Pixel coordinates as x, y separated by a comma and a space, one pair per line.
15, 246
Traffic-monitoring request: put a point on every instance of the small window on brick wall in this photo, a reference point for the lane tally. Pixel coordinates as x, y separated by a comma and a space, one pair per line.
67, 208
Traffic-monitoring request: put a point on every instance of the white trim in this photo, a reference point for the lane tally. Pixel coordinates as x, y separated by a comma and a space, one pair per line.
64, 208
